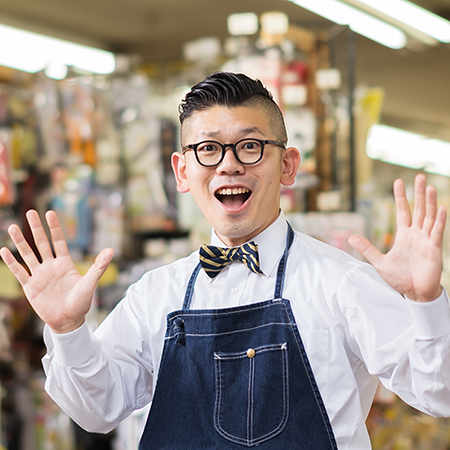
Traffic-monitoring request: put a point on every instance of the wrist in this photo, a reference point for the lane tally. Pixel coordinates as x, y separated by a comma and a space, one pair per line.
67, 328
428, 297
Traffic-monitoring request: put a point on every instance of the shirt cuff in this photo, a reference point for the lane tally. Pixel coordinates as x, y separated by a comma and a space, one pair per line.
73, 348
432, 319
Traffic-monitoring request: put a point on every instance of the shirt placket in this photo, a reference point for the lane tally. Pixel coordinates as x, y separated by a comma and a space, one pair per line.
237, 275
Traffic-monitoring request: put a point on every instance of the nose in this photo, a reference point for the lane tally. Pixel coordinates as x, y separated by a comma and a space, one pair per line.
230, 164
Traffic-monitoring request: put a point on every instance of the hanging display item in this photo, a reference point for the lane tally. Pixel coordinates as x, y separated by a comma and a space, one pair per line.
6, 186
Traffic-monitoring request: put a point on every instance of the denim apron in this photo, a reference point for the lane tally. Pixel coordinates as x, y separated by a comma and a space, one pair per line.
236, 377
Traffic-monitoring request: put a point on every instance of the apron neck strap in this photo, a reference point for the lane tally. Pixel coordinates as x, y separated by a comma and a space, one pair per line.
282, 265
190, 287
280, 273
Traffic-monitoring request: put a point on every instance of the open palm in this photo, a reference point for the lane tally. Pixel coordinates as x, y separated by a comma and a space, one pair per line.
413, 266
55, 289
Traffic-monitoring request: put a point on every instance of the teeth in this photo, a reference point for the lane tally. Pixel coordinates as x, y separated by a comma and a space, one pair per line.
234, 191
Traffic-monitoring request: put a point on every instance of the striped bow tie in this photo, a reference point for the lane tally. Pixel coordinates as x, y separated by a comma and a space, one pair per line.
214, 259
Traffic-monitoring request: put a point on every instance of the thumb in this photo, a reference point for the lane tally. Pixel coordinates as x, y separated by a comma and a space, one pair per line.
368, 250
99, 267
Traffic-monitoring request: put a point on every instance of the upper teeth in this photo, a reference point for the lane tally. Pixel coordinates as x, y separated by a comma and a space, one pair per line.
234, 191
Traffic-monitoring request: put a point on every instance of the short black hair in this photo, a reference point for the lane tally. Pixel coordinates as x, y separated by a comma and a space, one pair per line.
231, 90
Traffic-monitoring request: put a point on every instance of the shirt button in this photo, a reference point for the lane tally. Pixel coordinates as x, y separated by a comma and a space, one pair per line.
234, 290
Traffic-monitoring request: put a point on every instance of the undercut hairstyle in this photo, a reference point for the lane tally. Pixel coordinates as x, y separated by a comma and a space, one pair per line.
232, 90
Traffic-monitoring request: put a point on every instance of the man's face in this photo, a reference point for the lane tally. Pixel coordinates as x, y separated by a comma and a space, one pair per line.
238, 200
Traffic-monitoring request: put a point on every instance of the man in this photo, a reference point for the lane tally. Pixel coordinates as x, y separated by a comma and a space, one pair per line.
283, 351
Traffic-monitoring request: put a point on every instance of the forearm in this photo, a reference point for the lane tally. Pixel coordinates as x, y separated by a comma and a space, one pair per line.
405, 343
97, 392
422, 378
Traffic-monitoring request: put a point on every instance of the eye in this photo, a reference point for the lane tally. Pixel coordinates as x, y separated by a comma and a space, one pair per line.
208, 147
250, 146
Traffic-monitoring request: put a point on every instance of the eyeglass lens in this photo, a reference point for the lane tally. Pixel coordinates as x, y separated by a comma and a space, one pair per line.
210, 153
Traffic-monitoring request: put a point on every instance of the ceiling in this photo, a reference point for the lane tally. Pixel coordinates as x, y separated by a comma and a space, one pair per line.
416, 81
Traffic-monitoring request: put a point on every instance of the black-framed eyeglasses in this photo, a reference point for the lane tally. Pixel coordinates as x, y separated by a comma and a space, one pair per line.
246, 151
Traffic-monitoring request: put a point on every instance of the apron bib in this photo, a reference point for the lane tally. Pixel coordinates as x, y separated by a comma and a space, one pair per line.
236, 377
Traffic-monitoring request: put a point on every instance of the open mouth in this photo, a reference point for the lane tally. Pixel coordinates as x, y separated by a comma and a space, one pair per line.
233, 197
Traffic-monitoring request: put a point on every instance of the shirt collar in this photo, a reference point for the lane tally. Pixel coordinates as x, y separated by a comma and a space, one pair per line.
271, 243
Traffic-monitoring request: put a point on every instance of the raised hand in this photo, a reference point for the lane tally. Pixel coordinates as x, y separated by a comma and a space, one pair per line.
55, 289
413, 266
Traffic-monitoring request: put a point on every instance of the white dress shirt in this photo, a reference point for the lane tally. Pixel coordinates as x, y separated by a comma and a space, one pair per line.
355, 328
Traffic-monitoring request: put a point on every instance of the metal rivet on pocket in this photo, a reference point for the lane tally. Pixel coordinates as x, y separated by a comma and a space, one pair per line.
251, 353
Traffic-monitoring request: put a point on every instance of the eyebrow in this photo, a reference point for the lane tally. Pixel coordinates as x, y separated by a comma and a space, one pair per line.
243, 132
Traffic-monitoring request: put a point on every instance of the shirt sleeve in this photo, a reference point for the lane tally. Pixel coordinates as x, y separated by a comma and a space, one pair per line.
405, 343
97, 381
432, 319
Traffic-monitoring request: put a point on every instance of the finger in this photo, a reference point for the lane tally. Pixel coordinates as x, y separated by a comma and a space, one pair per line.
23, 248
99, 267
57, 234
419, 201
431, 208
39, 234
17, 269
437, 232
403, 214
369, 251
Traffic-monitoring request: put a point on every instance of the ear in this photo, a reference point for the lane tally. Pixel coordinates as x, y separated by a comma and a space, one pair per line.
289, 165
179, 169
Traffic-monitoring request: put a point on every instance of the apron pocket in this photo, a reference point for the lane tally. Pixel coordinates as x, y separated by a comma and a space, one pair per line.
252, 391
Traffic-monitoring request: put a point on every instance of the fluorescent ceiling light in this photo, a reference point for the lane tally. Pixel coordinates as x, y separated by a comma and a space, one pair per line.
413, 16
274, 22
408, 149
32, 52
359, 22
241, 24
56, 70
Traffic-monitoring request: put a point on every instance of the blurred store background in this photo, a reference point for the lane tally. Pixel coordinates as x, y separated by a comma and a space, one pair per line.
88, 123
